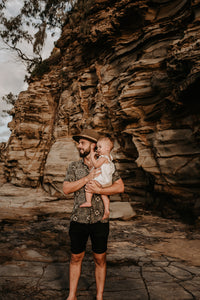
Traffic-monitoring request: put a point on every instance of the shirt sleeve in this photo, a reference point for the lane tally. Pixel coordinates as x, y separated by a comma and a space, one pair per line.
70, 174
115, 176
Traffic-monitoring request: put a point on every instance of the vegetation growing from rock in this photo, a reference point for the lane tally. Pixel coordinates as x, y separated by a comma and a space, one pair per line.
30, 25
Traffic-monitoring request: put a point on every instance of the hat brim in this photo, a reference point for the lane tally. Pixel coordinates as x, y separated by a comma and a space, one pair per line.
86, 137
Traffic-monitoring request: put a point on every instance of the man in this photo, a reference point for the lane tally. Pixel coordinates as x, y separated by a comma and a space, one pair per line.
88, 221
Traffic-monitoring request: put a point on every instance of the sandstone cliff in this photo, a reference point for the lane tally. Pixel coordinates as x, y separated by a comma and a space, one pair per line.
131, 68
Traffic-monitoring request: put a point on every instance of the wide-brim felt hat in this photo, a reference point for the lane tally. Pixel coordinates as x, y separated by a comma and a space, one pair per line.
88, 134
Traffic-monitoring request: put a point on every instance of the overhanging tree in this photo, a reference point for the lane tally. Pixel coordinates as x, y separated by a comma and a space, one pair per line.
30, 25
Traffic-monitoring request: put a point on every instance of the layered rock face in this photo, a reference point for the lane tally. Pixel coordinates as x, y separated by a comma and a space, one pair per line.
130, 68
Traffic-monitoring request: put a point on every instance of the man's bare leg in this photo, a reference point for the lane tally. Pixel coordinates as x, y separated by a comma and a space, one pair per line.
106, 203
100, 273
74, 274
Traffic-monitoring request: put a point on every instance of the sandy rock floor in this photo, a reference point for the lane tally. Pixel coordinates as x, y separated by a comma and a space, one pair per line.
148, 258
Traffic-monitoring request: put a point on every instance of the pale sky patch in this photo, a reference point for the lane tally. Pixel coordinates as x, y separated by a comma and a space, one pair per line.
13, 71
13, 7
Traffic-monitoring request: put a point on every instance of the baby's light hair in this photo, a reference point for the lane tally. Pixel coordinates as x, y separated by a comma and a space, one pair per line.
109, 140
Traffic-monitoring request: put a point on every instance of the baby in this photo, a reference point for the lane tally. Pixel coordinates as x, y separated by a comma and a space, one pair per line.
104, 161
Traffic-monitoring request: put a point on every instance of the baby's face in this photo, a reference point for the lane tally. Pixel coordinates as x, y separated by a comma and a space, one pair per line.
103, 147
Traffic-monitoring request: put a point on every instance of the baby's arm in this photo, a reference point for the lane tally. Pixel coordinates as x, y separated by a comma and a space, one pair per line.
98, 163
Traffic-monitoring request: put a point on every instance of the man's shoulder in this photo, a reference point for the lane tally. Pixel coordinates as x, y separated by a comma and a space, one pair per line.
76, 163
72, 166
116, 176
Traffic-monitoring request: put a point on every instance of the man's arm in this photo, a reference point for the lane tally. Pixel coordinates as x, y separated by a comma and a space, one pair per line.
116, 188
73, 186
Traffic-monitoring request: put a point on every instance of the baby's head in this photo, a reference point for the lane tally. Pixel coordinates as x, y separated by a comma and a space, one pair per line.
104, 145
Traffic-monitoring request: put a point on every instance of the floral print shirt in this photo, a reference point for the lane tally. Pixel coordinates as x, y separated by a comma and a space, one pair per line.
76, 171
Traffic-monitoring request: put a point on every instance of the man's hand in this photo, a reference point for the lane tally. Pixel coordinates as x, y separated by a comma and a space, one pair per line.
93, 173
116, 188
73, 186
93, 187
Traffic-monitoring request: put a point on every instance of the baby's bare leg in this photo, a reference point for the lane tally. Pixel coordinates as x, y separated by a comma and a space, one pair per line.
106, 203
88, 197
88, 203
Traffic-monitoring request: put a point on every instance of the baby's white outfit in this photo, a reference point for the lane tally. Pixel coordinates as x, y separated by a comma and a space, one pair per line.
107, 169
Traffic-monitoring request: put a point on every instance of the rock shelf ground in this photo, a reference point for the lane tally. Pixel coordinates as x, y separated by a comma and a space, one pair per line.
149, 258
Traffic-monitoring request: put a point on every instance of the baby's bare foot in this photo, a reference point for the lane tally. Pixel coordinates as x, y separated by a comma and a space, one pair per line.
106, 215
71, 298
86, 204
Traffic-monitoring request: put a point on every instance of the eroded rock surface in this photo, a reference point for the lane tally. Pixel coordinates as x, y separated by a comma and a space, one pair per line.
130, 68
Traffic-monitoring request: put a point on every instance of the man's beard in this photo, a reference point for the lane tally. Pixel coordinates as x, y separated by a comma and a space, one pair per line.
85, 153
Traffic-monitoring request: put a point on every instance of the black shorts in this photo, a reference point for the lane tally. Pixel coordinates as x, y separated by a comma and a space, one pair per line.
79, 233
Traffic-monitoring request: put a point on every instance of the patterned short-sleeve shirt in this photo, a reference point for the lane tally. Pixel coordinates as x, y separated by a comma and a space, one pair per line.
76, 171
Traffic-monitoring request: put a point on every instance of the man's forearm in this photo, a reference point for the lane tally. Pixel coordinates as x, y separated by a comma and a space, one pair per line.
116, 188
71, 187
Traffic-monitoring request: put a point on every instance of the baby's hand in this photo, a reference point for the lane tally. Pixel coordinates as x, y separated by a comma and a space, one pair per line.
92, 147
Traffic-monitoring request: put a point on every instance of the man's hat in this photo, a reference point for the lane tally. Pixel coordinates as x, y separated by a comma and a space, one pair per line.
88, 134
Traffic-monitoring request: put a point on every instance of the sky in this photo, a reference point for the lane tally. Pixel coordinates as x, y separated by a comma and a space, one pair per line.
13, 71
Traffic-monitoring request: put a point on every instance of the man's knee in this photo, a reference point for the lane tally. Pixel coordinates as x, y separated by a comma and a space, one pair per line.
100, 259
77, 258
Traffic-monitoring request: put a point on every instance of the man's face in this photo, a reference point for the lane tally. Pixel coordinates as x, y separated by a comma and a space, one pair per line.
84, 147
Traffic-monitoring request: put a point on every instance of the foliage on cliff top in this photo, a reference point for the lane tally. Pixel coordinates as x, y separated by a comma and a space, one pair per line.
29, 23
